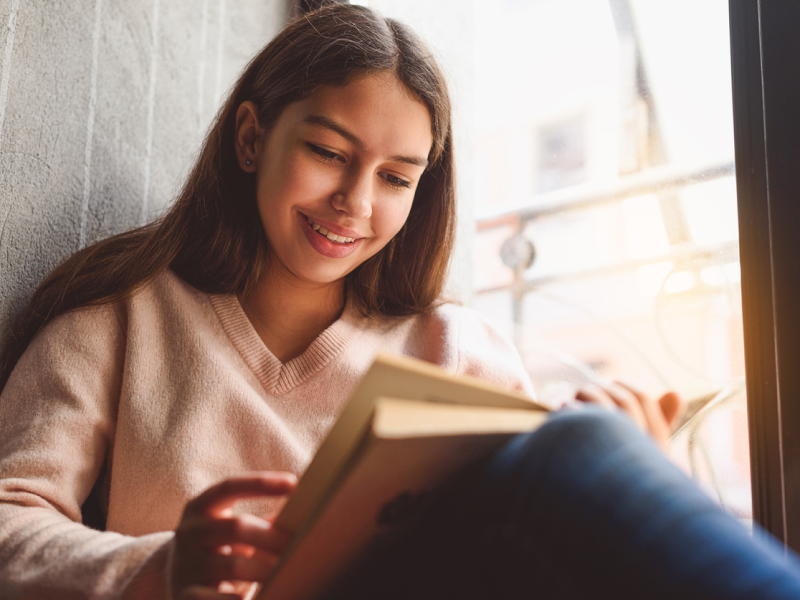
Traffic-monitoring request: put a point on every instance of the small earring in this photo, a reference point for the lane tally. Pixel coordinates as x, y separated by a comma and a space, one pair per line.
247, 162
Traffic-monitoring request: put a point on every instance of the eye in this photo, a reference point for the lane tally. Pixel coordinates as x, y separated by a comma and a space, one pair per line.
396, 182
325, 155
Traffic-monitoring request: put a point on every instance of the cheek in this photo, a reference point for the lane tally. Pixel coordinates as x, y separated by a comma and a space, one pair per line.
291, 182
390, 218
307, 179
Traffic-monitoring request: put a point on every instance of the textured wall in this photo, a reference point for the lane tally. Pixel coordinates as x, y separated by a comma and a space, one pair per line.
103, 106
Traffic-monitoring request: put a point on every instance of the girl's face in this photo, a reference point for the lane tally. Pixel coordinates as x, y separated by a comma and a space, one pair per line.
336, 175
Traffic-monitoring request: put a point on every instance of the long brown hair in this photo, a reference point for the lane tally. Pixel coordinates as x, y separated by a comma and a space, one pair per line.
212, 237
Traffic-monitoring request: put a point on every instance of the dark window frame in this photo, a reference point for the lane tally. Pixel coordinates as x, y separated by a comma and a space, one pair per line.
766, 109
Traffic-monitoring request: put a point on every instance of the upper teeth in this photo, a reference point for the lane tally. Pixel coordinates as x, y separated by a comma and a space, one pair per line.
331, 236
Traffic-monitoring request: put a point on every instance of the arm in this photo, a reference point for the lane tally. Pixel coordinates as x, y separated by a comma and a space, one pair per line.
486, 353
57, 420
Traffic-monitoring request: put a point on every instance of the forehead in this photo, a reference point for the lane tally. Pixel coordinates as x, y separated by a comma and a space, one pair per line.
377, 109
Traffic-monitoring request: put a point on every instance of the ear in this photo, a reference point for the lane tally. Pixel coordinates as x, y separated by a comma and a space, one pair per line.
248, 136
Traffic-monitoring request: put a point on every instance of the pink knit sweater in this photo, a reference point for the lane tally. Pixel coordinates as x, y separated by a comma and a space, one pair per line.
149, 401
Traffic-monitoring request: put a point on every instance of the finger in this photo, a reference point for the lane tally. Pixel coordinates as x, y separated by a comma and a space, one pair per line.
247, 552
673, 406
217, 498
629, 402
197, 592
226, 531
613, 397
656, 424
238, 549
265, 556
216, 568
631, 388
593, 394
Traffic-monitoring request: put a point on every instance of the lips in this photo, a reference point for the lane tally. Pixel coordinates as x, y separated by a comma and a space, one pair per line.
336, 239
326, 244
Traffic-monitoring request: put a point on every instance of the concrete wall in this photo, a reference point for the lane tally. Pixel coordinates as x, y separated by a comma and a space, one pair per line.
103, 106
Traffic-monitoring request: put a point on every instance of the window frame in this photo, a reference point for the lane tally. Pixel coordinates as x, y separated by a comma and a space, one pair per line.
766, 92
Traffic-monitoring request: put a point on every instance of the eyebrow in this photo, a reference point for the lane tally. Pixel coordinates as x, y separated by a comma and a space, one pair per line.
356, 141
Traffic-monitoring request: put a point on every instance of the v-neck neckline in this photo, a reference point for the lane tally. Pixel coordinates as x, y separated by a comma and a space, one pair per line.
277, 377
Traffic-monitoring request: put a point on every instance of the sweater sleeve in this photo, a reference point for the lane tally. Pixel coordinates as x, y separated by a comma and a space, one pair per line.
57, 420
486, 353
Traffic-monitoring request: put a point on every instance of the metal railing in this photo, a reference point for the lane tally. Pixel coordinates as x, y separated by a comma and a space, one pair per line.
651, 181
518, 252
659, 181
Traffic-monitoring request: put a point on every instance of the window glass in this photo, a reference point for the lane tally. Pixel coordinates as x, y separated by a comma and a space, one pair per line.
597, 141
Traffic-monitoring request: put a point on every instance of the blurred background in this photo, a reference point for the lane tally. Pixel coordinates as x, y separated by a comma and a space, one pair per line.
597, 140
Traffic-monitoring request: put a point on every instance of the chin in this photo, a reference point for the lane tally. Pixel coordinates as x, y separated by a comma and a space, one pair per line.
321, 277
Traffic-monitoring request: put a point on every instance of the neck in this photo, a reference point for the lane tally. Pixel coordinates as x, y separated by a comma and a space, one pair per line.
289, 314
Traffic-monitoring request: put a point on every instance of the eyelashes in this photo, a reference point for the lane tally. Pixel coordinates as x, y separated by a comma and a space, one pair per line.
396, 182
325, 154
328, 156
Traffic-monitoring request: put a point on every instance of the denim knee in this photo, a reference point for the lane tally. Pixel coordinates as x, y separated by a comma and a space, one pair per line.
571, 439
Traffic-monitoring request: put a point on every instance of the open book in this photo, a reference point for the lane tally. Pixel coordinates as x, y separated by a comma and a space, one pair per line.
407, 426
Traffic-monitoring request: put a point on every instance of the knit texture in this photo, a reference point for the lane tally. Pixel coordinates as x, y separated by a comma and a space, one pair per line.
147, 402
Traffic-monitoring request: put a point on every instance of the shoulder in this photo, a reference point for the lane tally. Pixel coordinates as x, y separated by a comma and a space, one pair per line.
77, 351
85, 348
94, 329
82, 328
482, 350
167, 302
168, 288
461, 340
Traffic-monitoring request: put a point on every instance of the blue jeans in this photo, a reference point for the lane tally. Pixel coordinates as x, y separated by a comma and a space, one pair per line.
584, 507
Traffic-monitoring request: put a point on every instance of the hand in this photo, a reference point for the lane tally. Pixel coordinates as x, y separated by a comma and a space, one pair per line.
213, 546
653, 417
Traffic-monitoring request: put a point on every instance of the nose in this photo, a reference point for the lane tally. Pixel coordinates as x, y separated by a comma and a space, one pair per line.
354, 197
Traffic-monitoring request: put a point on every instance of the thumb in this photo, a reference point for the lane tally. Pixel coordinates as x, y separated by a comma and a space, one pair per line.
672, 405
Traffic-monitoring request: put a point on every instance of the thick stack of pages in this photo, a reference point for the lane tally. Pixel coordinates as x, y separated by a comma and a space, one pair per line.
408, 426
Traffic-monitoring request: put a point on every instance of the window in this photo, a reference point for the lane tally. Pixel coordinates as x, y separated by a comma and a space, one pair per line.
596, 145
599, 156
561, 155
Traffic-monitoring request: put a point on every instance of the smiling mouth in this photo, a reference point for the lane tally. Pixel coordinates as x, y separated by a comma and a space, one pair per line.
336, 239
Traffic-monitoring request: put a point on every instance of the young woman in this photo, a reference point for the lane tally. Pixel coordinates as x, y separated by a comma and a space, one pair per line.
160, 376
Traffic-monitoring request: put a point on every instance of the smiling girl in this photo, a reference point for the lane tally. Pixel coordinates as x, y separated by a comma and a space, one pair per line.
162, 375
335, 180
314, 231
